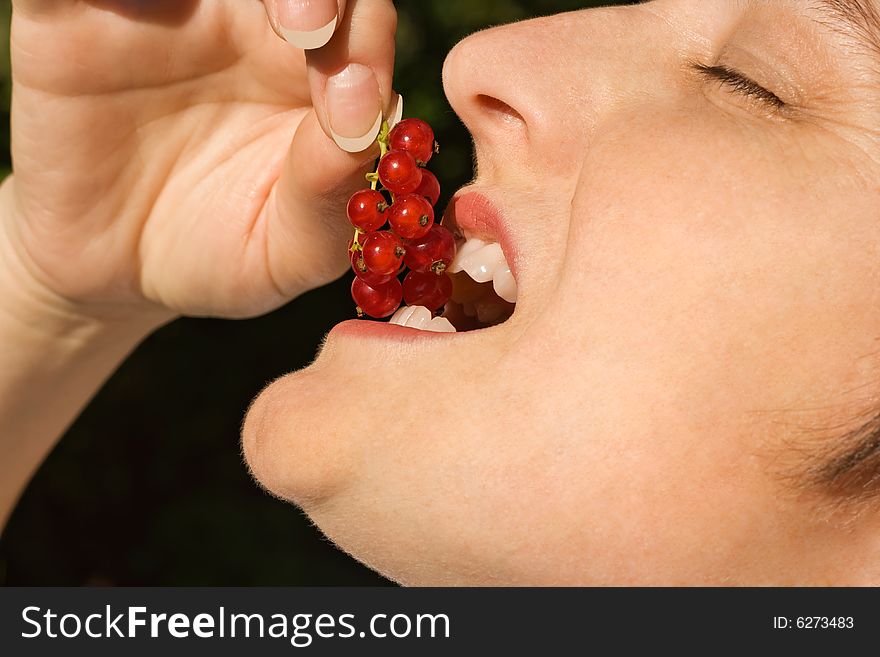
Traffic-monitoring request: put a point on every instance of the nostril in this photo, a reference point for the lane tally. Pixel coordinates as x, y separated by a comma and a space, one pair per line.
499, 109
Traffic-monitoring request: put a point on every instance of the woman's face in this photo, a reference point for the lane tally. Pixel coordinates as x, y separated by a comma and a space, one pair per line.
681, 394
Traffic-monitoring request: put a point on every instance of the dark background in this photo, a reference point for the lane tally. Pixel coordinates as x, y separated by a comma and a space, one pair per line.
148, 486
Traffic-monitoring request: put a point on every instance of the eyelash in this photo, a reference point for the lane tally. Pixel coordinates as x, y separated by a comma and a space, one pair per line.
739, 83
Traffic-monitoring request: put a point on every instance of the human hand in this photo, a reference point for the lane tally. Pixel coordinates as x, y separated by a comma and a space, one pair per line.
174, 155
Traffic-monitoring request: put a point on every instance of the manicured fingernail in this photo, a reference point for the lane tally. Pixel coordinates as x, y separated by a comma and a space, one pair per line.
354, 108
397, 114
307, 24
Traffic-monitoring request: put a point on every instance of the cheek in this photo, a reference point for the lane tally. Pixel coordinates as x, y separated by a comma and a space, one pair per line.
719, 269
692, 328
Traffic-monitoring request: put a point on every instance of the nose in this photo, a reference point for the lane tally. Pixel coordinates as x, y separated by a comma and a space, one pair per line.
538, 88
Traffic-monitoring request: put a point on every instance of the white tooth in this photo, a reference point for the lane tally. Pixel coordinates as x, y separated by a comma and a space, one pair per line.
440, 325
403, 313
471, 245
419, 317
396, 316
504, 284
482, 263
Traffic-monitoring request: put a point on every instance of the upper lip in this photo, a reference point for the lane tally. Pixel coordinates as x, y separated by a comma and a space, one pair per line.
471, 213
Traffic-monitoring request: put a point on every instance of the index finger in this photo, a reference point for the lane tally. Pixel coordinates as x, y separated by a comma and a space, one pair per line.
307, 24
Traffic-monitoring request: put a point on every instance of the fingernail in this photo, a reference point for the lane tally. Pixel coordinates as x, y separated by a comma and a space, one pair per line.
354, 108
397, 114
307, 24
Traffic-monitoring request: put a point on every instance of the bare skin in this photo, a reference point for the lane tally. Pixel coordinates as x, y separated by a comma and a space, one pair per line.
696, 326
696, 331
169, 158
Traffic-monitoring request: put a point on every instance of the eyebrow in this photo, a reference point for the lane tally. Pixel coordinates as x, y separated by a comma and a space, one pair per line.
858, 20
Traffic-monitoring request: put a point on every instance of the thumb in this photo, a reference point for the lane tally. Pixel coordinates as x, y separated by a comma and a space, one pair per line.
306, 229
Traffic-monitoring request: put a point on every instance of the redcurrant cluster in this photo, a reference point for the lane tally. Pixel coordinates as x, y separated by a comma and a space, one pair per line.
406, 203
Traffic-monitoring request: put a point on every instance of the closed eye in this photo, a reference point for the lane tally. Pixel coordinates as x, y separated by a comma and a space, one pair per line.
738, 82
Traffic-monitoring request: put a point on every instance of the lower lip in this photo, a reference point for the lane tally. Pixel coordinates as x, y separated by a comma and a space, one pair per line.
366, 329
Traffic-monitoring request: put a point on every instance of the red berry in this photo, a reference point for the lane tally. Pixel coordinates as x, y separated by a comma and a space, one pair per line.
428, 290
429, 187
377, 301
366, 210
399, 173
359, 267
415, 136
383, 252
431, 253
411, 216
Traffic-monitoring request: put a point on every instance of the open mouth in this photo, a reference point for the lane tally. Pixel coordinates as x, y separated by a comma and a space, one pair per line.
484, 288
483, 292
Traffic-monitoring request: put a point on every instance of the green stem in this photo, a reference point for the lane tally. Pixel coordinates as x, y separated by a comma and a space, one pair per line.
382, 139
